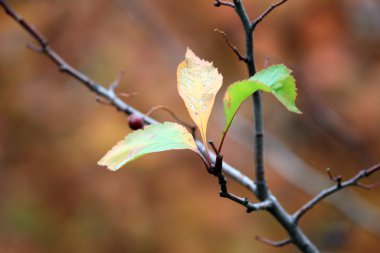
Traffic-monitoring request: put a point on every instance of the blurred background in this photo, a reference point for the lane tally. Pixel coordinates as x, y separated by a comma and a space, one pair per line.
55, 198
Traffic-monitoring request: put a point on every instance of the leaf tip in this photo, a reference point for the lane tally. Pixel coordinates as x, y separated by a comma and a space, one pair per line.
102, 162
298, 111
189, 53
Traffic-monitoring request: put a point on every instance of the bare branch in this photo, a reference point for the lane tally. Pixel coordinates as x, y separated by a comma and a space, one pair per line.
354, 181
219, 3
29, 28
266, 12
277, 244
264, 205
230, 45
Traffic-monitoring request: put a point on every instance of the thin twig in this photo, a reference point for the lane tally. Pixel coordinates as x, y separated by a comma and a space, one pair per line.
170, 111
277, 244
116, 82
368, 186
103, 101
230, 45
354, 181
127, 95
337, 179
213, 147
266, 12
264, 205
219, 3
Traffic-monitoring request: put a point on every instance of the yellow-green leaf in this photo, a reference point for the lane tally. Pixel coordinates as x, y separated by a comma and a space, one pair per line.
236, 94
154, 138
198, 83
282, 84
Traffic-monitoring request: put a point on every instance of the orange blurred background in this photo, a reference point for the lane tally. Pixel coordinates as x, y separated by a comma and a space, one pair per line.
54, 197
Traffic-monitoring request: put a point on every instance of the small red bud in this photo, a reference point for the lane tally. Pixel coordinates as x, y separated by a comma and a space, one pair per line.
135, 122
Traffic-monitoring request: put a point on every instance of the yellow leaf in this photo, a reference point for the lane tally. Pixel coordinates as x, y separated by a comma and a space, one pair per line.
198, 83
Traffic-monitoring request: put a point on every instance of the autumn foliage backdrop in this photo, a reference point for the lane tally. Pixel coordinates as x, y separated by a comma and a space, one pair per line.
53, 196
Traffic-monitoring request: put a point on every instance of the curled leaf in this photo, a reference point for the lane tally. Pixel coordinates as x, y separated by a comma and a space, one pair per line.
154, 138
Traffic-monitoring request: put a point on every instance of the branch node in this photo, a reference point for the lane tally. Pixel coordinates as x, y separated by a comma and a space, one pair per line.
116, 82
337, 179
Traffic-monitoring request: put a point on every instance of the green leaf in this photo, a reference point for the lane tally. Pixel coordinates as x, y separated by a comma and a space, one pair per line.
154, 138
282, 84
236, 94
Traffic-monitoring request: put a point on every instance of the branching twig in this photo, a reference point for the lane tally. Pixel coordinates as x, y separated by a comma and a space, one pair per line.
273, 243
217, 171
266, 12
219, 3
337, 179
234, 48
116, 82
111, 88
354, 181
264, 205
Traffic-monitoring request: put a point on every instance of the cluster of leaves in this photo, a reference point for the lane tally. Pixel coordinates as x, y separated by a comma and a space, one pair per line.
198, 83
